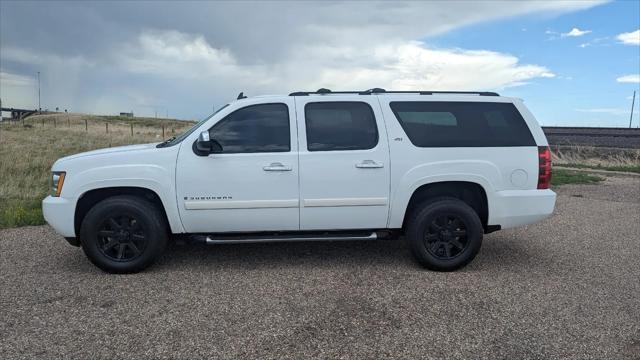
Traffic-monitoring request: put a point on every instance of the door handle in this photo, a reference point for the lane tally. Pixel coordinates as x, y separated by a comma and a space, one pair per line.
276, 166
369, 164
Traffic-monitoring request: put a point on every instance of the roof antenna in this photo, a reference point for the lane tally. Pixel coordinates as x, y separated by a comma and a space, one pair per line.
241, 96
323, 91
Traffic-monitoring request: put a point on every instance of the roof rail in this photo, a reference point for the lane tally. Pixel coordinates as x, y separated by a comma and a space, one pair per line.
323, 91
481, 93
383, 91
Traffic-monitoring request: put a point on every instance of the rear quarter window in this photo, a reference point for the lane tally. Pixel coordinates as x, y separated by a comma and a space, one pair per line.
462, 124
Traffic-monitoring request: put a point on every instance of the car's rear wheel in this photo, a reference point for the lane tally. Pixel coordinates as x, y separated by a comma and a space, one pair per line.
445, 234
123, 234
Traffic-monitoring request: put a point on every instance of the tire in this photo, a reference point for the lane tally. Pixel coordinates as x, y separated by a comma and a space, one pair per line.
123, 234
445, 234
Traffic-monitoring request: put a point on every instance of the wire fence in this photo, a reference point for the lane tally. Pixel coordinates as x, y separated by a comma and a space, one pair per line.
147, 128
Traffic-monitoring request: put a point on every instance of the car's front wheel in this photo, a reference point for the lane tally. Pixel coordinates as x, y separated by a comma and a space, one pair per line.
123, 234
445, 234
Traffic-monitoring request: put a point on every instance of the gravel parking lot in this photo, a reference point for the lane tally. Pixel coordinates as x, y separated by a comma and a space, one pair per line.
568, 287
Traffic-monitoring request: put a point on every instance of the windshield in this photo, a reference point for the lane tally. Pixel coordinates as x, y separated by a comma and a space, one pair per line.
177, 139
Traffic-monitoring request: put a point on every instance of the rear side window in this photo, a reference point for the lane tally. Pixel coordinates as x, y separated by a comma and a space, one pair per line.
255, 128
340, 126
462, 124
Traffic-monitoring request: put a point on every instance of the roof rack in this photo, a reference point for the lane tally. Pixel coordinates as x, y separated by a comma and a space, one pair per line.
324, 91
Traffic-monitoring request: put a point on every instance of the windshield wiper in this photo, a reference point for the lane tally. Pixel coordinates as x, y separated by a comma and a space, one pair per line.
164, 143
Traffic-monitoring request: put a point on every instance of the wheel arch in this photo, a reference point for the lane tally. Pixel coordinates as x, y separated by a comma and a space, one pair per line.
472, 193
90, 198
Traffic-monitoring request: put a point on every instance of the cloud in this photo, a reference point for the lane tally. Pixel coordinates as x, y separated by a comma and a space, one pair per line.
395, 65
414, 66
575, 32
186, 56
64, 79
164, 53
631, 78
18, 91
630, 38
15, 80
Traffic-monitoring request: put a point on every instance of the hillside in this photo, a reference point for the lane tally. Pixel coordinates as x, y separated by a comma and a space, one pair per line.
77, 118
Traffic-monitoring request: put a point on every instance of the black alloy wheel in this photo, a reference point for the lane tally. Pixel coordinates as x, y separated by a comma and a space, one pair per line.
124, 234
122, 238
444, 233
446, 236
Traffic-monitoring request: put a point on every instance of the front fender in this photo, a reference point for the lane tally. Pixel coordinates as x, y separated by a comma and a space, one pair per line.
152, 177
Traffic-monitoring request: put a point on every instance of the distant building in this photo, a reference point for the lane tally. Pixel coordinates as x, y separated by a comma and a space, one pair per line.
127, 114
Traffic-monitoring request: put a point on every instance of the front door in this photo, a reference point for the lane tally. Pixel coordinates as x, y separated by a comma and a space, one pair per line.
344, 163
253, 184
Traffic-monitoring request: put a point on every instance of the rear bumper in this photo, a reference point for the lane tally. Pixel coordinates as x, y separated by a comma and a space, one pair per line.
511, 208
59, 213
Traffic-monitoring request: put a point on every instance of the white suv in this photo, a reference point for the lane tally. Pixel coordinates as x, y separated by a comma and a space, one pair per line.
442, 168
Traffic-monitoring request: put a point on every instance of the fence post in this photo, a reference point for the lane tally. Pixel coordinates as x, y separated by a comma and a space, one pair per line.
107, 127
68, 121
54, 123
86, 126
131, 129
42, 122
162, 131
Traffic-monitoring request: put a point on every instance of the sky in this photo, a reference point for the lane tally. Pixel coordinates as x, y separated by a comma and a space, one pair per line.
575, 63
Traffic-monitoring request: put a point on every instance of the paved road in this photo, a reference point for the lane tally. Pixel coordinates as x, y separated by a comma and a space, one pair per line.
568, 287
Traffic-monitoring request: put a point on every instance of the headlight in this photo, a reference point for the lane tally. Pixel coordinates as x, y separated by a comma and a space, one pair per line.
57, 180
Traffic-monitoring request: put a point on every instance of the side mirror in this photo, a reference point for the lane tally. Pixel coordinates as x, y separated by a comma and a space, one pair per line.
205, 146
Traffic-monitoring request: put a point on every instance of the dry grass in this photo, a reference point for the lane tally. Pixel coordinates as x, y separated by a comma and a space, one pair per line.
27, 153
597, 158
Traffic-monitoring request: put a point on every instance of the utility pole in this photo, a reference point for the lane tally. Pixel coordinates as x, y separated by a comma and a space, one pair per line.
633, 102
39, 107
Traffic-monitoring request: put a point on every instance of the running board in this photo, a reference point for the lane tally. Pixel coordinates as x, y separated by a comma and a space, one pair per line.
248, 239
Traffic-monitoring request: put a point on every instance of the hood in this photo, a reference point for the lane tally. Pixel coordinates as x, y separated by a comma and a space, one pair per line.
117, 149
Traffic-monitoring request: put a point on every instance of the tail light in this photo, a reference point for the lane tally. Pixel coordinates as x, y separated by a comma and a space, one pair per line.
544, 167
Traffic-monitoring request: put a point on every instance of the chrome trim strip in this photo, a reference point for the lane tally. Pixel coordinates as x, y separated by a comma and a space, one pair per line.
239, 204
345, 202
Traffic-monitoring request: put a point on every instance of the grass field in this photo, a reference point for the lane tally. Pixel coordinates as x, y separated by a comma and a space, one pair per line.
589, 157
564, 177
27, 153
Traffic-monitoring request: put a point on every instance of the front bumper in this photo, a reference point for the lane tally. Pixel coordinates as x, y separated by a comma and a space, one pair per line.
513, 208
59, 213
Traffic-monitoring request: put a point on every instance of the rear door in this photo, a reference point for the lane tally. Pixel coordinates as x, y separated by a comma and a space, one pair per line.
344, 163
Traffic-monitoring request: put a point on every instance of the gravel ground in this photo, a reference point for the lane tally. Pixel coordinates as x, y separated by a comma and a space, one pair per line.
568, 287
